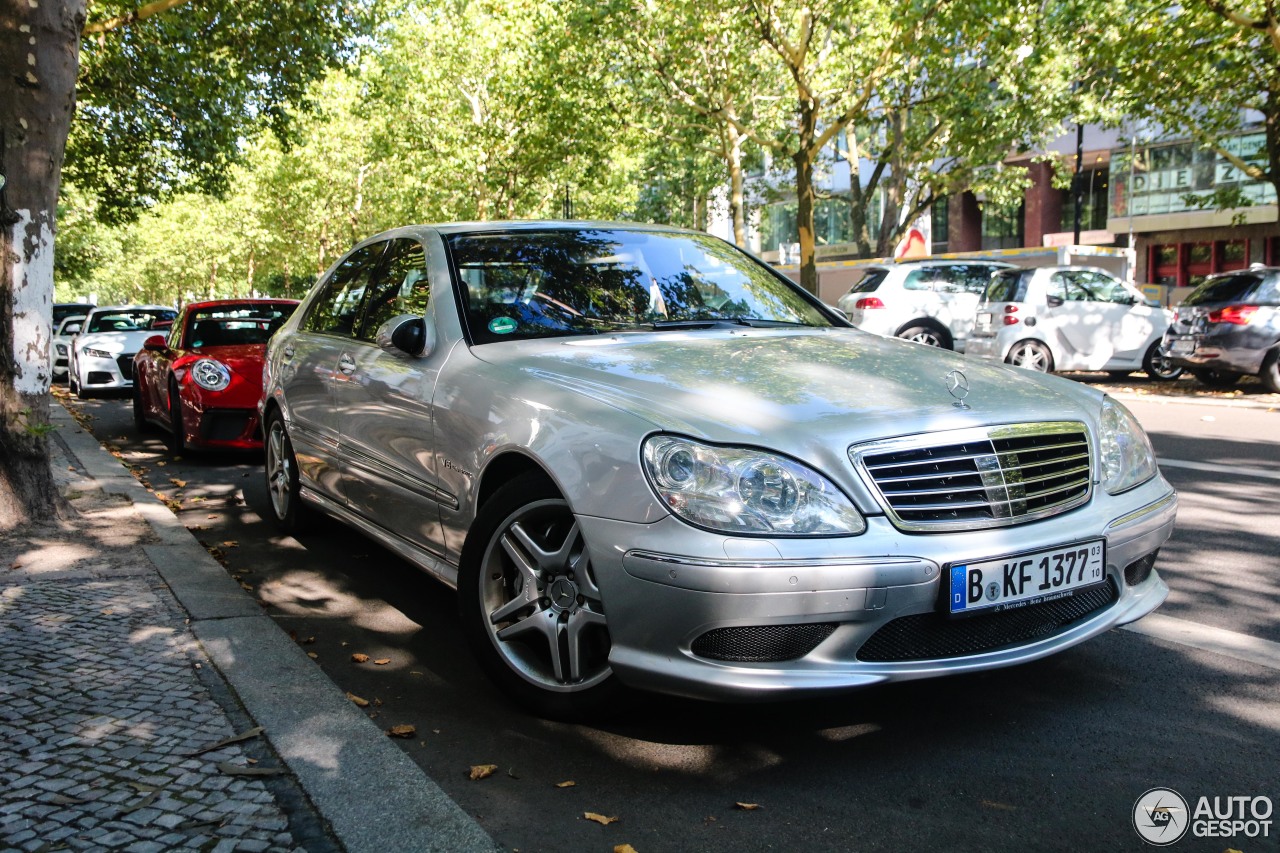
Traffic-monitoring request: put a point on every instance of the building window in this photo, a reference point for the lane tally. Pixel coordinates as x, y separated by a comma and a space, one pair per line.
1002, 226
1188, 264
1093, 212
939, 222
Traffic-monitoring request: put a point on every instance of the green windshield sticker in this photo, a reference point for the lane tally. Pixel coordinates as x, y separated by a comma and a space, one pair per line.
502, 325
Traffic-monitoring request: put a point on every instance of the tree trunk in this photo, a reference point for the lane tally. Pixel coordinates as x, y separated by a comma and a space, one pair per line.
805, 196
40, 53
737, 205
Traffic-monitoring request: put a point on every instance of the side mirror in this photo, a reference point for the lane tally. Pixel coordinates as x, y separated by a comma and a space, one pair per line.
155, 343
408, 334
1053, 301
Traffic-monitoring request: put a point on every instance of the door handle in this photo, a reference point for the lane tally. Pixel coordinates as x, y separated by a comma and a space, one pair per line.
346, 365
287, 352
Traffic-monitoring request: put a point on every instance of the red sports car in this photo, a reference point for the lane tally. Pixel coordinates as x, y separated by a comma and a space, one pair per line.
203, 381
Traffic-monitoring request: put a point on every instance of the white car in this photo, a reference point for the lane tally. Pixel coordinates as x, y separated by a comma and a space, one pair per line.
929, 302
102, 354
1071, 318
62, 342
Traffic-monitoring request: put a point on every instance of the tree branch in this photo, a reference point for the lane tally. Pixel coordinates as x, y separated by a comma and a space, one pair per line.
139, 14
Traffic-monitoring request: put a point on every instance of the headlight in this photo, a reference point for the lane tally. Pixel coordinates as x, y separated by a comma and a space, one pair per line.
95, 353
1127, 457
211, 375
738, 490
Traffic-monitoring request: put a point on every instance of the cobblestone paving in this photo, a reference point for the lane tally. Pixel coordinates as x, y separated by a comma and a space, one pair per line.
100, 706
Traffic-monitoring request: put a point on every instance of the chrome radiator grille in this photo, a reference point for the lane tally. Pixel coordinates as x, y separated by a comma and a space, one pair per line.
972, 479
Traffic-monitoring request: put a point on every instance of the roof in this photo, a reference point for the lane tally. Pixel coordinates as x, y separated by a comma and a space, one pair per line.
220, 303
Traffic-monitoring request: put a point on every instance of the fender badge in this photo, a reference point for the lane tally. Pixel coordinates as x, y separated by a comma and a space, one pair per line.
958, 387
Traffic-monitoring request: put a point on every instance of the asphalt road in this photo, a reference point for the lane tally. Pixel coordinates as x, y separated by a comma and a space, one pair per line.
1048, 756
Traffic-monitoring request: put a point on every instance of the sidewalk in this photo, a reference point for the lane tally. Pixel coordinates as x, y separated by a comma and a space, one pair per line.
126, 652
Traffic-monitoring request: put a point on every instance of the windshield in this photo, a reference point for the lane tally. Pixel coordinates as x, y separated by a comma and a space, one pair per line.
530, 284
131, 320
1008, 286
236, 325
1230, 288
871, 280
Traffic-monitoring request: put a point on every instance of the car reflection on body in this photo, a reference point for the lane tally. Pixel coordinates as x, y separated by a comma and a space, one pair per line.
645, 459
202, 383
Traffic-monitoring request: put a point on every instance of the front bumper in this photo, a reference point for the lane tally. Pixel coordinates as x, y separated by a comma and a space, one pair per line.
668, 588
100, 374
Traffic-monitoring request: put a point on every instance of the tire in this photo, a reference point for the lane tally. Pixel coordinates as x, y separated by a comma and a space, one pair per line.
1215, 378
140, 422
1031, 355
530, 607
1159, 366
177, 435
1269, 376
73, 382
283, 489
927, 335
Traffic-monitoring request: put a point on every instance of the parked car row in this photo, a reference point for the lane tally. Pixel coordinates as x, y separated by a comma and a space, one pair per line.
1044, 319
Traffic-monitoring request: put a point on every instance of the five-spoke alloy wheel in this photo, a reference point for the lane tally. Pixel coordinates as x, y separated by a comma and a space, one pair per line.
530, 603
1032, 355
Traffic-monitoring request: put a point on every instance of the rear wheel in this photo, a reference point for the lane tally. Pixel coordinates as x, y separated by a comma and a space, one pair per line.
530, 605
927, 335
177, 434
1032, 355
1215, 378
283, 486
140, 422
1159, 366
1270, 375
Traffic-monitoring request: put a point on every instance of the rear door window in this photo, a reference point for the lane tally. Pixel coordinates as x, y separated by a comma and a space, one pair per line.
337, 307
400, 288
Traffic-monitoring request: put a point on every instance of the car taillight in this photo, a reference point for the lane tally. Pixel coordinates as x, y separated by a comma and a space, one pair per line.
1009, 311
1237, 315
868, 302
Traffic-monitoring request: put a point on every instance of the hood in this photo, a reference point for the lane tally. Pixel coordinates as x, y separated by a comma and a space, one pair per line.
788, 388
244, 360
116, 343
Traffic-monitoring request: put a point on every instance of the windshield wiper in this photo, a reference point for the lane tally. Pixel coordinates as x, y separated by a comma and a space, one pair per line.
710, 322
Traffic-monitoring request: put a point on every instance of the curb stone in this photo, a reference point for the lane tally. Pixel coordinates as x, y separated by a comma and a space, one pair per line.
373, 796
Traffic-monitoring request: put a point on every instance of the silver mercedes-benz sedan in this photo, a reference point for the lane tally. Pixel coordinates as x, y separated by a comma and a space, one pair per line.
646, 459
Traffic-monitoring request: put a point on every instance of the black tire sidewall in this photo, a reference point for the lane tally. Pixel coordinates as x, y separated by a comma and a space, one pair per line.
593, 703
297, 517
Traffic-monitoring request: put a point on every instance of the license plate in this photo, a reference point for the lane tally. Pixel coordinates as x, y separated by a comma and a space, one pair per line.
984, 321
1007, 583
1182, 346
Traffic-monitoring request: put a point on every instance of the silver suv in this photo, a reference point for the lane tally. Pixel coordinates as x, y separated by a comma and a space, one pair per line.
645, 459
929, 302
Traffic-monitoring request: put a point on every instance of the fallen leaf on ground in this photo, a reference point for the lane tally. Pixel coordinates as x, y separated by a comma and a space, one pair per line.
599, 818
244, 735
363, 703
210, 516
567, 784
1004, 807
238, 770
64, 800
511, 771
162, 464
231, 543
246, 586
140, 804
482, 771
181, 484
359, 657
382, 661
748, 807
311, 655
624, 848
404, 731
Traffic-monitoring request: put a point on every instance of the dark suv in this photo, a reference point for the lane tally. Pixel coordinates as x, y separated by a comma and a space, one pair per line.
1230, 327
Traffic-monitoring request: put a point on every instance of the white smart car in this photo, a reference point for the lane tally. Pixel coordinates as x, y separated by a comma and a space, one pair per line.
1071, 318
102, 354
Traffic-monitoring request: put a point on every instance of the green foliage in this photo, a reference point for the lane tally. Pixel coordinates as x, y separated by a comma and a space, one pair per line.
165, 103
